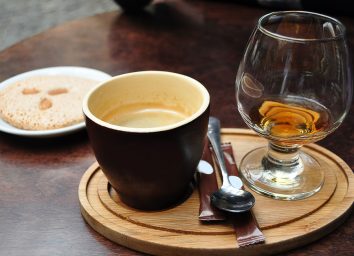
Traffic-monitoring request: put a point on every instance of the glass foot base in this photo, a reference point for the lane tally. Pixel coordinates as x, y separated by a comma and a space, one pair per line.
286, 182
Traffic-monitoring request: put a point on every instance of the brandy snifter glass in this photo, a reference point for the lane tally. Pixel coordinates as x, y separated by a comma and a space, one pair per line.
293, 87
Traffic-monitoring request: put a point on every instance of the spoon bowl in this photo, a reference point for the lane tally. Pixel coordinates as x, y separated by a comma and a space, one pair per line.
227, 198
231, 199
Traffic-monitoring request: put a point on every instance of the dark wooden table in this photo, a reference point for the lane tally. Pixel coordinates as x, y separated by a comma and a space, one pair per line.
39, 207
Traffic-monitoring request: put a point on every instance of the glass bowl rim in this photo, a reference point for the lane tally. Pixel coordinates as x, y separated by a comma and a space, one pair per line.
340, 36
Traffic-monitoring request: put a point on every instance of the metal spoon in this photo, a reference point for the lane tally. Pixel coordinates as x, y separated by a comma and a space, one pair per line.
227, 198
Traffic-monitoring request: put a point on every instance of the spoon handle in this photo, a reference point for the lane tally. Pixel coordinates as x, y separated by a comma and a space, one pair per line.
215, 141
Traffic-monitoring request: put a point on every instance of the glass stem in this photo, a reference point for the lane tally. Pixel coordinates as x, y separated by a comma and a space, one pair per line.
283, 161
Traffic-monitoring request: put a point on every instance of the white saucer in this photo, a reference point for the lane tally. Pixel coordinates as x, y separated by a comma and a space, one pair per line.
72, 71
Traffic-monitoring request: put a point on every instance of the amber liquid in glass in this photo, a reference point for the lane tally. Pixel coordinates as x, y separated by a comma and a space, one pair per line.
291, 119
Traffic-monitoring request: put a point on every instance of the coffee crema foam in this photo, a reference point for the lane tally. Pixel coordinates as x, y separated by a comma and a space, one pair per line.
148, 115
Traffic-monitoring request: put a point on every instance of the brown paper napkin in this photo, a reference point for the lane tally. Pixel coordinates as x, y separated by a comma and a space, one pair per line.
245, 224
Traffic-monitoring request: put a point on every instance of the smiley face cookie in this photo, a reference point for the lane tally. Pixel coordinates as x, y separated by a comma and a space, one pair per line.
44, 102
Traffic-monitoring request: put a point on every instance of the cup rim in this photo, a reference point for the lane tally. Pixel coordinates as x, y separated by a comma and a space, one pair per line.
261, 27
195, 83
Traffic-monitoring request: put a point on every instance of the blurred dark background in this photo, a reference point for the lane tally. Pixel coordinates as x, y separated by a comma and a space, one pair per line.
23, 18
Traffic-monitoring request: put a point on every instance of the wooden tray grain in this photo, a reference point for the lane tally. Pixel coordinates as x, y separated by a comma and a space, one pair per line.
177, 231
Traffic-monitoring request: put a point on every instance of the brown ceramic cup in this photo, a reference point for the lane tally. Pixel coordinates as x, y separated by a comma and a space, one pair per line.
147, 130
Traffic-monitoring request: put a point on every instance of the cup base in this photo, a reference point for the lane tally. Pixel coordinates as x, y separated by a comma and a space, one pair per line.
155, 204
282, 182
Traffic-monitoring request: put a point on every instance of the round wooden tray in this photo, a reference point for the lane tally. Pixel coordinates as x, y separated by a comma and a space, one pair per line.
177, 231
